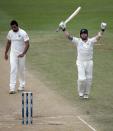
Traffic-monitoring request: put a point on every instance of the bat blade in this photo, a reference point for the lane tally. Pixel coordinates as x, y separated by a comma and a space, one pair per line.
73, 15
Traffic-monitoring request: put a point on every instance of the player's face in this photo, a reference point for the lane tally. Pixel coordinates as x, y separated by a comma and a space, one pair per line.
84, 36
14, 28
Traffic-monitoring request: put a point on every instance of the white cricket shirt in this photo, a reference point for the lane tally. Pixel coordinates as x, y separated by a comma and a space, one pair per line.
84, 49
17, 41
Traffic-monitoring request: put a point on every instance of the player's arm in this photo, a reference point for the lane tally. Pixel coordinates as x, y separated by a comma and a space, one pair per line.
8, 45
25, 49
66, 33
62, 26
103, 28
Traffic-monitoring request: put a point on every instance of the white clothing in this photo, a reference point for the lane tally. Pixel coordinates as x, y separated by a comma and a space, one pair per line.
84, 63
85, 69
17, 41
84, 49
17, 64
81, 87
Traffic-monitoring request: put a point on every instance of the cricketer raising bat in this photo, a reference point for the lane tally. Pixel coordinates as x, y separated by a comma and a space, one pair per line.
71, 16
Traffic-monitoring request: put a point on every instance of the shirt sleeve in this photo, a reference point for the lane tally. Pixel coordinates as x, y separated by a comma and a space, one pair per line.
26, 37
93, 40
8, 36
75, 41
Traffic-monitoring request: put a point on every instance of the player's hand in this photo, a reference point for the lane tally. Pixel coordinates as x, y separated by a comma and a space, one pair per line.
62, 26
6, 57
103, 26
21, 55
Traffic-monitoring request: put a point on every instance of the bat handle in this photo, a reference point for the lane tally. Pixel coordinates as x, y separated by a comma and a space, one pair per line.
58, 29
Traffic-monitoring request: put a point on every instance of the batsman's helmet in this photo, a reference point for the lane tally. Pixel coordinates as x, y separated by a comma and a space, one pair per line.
83, 31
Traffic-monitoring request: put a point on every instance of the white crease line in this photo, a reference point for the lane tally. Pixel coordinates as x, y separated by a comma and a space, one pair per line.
93, 129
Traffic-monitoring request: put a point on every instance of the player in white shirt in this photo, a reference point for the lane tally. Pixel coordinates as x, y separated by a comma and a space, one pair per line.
18, 41
84, 62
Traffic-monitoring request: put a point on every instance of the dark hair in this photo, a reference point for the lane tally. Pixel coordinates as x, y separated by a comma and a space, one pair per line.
14, 22
83, 31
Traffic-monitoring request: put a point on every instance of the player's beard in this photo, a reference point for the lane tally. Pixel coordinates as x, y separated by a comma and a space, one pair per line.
84, 38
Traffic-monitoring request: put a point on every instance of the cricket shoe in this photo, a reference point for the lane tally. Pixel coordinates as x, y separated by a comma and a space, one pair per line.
86, 96
81, 94
20, 89
12, 92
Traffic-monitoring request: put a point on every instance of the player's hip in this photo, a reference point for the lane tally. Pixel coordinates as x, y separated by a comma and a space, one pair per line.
84, 65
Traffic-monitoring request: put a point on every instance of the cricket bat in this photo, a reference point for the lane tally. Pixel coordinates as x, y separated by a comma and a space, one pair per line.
71, 16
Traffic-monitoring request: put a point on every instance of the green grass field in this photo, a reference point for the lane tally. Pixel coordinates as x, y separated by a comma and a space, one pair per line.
53, 58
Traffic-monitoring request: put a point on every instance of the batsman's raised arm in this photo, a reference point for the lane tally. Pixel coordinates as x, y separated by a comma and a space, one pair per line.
67, 34
62, 26
103, 28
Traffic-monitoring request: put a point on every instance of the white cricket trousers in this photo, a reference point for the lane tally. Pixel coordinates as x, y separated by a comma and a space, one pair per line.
85, 72
17, 67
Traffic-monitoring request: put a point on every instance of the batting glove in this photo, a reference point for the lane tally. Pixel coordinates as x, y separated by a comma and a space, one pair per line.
62, 26
103, 26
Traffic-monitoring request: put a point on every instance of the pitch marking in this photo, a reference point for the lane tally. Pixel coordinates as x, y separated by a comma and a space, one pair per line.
93, 129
